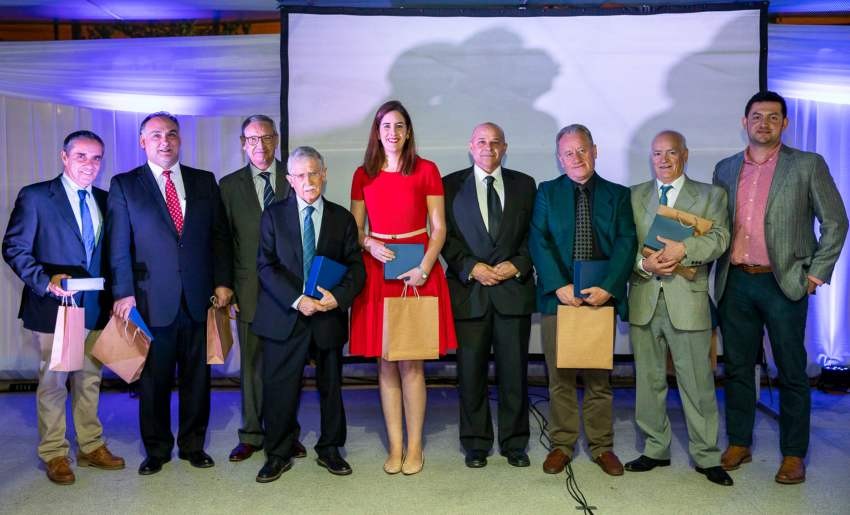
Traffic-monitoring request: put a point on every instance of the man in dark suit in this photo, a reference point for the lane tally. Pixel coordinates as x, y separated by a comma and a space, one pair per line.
294, 327
169, 251
492, 291
55, 232
774, 263
245, 194
580, 216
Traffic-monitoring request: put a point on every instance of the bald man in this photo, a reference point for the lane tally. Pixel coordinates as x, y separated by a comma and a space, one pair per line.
669, 312
488, 212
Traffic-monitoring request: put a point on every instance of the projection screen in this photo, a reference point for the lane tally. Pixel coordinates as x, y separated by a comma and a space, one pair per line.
625, 76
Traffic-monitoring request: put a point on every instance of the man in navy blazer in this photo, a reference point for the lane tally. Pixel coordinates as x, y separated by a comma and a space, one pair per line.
293, 326
554, 239
56, 232
169, 251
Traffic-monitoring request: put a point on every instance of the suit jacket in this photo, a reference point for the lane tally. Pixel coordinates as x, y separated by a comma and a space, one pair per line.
43, 239
281, 275
687, 301
147, 257
552, 236
242, 210
468, 243
802, 190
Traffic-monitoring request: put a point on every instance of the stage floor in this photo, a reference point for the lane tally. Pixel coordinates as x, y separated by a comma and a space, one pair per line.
444, 486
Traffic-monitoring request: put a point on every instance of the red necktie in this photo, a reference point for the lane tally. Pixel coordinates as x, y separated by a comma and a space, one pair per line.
173, 202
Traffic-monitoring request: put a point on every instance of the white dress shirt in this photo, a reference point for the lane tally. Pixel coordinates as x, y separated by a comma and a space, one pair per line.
176, 178
672, 194
481, 190
71, 189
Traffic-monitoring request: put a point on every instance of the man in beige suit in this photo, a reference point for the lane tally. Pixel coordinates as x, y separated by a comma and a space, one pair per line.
668, 311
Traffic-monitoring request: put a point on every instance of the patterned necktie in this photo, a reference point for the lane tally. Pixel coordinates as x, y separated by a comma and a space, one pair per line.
88, 226
268, 192
664, 189
583, 247
173, 203
309, 240
494, 209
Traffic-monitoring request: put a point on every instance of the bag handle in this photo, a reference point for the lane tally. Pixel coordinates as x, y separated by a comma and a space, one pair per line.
404, 291
229, 316
72, 303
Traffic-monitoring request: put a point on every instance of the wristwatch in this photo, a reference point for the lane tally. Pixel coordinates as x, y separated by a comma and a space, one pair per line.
424, 273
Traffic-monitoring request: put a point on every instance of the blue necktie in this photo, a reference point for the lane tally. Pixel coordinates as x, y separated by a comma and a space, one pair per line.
664, 190
309, 240
268, 192
88, 227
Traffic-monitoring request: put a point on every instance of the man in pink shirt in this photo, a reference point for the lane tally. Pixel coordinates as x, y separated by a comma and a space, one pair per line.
774, 263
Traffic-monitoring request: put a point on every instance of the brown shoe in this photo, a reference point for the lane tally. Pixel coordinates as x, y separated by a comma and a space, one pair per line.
59, 471
792, 471
734, 456
609, 463
242, 452
555, 462
100, 458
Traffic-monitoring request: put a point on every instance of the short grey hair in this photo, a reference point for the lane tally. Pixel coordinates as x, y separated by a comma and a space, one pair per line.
575, 128
258, 118
303, 153
676, 134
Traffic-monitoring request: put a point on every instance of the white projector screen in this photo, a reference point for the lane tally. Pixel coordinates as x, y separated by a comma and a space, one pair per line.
625, 77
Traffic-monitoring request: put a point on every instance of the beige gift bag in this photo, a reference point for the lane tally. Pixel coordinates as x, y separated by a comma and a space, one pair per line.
585, 337
411, 327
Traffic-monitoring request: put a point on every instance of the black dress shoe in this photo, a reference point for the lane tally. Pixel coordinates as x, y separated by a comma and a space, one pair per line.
517, 458
298, 450
645, 464
476, 459
152, 465
334, 463
274, 467
716, 475
198, 459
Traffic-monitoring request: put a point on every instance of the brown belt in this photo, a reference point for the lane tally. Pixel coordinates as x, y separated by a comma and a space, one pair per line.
410, 234
754, 269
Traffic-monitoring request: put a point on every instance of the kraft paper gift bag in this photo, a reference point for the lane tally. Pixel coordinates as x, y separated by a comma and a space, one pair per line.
585, 337
123, 348
219, 335
411, 327
69, 337
699, 225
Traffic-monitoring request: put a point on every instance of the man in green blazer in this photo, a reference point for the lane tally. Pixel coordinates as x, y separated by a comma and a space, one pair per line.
668, 311
246, 193
580, 215
774, 263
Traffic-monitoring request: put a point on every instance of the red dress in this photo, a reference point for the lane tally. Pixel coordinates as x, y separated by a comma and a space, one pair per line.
396, 204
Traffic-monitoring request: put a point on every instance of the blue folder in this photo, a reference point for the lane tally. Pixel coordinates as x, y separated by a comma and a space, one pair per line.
667, 228
407, 256
587, 274
137, 319
324, 272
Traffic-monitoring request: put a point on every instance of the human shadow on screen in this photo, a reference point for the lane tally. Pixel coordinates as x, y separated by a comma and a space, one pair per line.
701, 107
448, 88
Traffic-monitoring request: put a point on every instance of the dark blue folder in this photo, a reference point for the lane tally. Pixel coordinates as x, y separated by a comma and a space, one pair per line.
587, 274
407, 256
137, 319
667, 228
324, 272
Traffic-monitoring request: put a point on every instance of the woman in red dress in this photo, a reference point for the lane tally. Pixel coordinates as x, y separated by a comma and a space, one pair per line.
400, 193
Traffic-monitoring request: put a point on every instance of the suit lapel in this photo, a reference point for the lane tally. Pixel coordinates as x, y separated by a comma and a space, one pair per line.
326, 228
781, 174
650, 200
62, 205
293, 229
736, 165
467, 214
248, 191
603, 207
145, 177
687, 197
100, 199
281, 185
510, 205
565, 212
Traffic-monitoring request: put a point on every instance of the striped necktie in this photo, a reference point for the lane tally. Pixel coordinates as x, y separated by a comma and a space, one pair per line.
309, 240
268, 192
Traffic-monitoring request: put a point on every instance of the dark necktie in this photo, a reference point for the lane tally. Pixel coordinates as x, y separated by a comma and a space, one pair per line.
173, 203
268, 192
309, 240
494, 209
88, 226
583, 247
664, 189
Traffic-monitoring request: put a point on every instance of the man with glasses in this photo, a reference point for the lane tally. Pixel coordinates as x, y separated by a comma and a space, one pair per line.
245, 194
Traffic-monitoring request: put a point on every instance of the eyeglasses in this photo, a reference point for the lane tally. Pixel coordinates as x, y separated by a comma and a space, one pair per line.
253, 140
309, 175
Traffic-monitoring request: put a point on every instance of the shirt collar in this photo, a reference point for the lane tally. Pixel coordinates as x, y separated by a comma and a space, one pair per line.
589, 184
157, 170
319, 204
480, 174
255, 172
677, 184
749, 160
73, 186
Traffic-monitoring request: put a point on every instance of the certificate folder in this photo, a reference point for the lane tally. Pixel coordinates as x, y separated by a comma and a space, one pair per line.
587, 274
324, 272
667, 228
83, 284
137, 319
407, 256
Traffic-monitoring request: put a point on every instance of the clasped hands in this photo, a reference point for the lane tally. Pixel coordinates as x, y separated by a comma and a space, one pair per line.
664, 261
308, 306
596, 296
492, 275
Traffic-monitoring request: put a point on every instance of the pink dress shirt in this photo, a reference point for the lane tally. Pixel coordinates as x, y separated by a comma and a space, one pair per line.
748, 244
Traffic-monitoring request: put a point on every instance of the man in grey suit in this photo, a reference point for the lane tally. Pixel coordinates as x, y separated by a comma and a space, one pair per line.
775, 261
246, 193
668, 311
